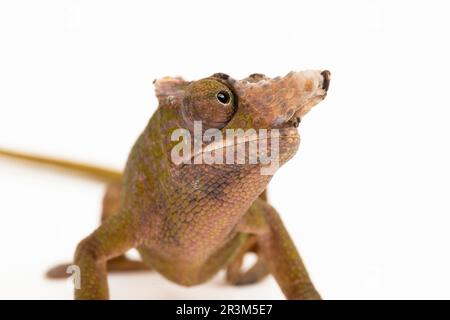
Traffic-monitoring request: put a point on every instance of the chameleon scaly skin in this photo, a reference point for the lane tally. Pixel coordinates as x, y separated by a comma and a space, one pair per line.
188, 221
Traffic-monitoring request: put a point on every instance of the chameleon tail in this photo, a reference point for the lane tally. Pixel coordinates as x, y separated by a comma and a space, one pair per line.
80, 169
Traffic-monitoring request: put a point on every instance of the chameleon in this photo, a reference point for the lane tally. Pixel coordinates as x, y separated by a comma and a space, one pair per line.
188, 221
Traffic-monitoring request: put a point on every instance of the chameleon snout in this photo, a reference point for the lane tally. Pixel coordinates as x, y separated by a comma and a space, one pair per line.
326, 75
312, 88
281, 101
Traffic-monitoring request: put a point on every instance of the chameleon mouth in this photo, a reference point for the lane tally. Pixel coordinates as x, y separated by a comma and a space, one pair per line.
283, 136
282, 133
292, 122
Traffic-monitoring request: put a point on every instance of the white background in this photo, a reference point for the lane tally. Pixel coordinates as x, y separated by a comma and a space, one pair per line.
367, 197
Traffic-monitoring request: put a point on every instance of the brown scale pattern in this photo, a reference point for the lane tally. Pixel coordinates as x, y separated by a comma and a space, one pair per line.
190, 221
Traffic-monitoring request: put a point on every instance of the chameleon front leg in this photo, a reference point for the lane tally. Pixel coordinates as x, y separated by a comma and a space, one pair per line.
115, 236
111, 207
279, 252
119, 264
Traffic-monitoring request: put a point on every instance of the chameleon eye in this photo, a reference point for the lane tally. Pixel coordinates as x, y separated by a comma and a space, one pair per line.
223, 97
210, 101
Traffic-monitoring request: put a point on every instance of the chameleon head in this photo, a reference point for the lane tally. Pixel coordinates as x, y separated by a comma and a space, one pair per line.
253, 104
205, 182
